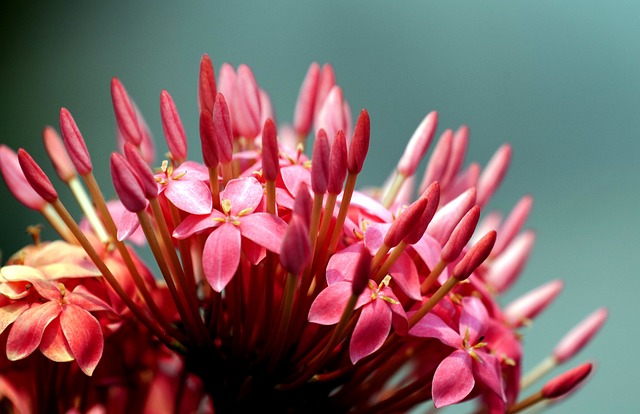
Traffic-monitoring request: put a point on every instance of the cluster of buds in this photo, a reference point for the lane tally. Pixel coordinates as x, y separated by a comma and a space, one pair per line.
279, 287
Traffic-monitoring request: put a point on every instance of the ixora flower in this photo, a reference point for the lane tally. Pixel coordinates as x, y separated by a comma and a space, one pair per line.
280, 288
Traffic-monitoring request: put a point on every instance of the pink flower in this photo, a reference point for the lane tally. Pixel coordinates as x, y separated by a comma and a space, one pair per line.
237, 222
470, 362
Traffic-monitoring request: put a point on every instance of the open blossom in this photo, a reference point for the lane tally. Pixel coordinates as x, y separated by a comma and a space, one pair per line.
279, 286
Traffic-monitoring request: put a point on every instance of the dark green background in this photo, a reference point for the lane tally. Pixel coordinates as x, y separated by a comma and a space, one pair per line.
560, 80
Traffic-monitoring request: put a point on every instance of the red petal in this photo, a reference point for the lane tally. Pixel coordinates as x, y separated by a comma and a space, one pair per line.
221, 256
329, 305
54, 345
371, 330
431, 326
26, 332
84, 335
453, 379
10, 312
474, 317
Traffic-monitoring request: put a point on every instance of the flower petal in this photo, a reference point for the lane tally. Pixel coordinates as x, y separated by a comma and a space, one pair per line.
405, 274
432, 326
265, 229
342, 265
26, 333
488, 373
84, 335
221, 256
195, 223
371, 330
10, 312
293, 176
54, 345
474, 317
329, 305
191, 196
243, 193
453, 379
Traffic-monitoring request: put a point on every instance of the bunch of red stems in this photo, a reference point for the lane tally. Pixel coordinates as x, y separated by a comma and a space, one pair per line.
279, 287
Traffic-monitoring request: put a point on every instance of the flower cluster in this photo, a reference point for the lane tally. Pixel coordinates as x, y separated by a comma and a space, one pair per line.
280, 288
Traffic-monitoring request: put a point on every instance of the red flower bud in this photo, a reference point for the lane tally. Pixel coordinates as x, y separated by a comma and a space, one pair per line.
126, 117
206, 85
172, 127
337, 164
360, 143
566, 382
126, 183
58, 154
36, 177
475, 256
270, 161
74, 143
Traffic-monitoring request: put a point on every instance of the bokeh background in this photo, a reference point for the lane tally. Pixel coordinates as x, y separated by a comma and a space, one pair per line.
560, 81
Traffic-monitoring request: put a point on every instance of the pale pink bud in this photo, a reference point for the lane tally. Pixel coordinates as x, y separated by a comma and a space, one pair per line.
208, 140
402, 226
461, 235
513, 223
172, 127
16, 181
326, 83
362, 272
432, 194
227, 82
438, 161
270, 165
126, 184
74, 143
206, 85
475, 256
295, 252
223, 136
320, 163
580, 336
529, 305
58, 154
331, 116
360, 143
462, 182
567, 381
448, 217
418, 144
456, 156
303, 204
141, 170
266, 108
493, 174
246, 104
337, 164
305, 104
491, 221
506, 268
36, 177
126, 117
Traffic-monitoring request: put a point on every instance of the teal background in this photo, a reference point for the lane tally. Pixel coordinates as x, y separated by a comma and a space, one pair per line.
559, 80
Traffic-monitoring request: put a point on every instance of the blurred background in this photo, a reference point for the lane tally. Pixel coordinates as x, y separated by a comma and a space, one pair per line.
560, 81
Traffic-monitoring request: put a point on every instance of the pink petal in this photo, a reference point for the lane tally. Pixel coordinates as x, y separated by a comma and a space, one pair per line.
264, 229
54, 345
221, 256
84, 335
193, 171
293, 176
405, 274
375, 234
453, 379
191, 196
196, 223
26, 333
10, 312
243, 193
474, 317
127, 225
329, 305
429, 250
488, 372
371, 330
431, 326
342, 265
82, 297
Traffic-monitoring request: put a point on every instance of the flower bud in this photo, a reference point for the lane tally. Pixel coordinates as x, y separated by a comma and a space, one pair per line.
305, 104
206, 85
58, 154
360, 143
16, 181
126, 184
320, 163
580, 335
475, 256
418, 144
36, 177
567, 381
74, 143
337, 164
126, 117
172, 127
270, 160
